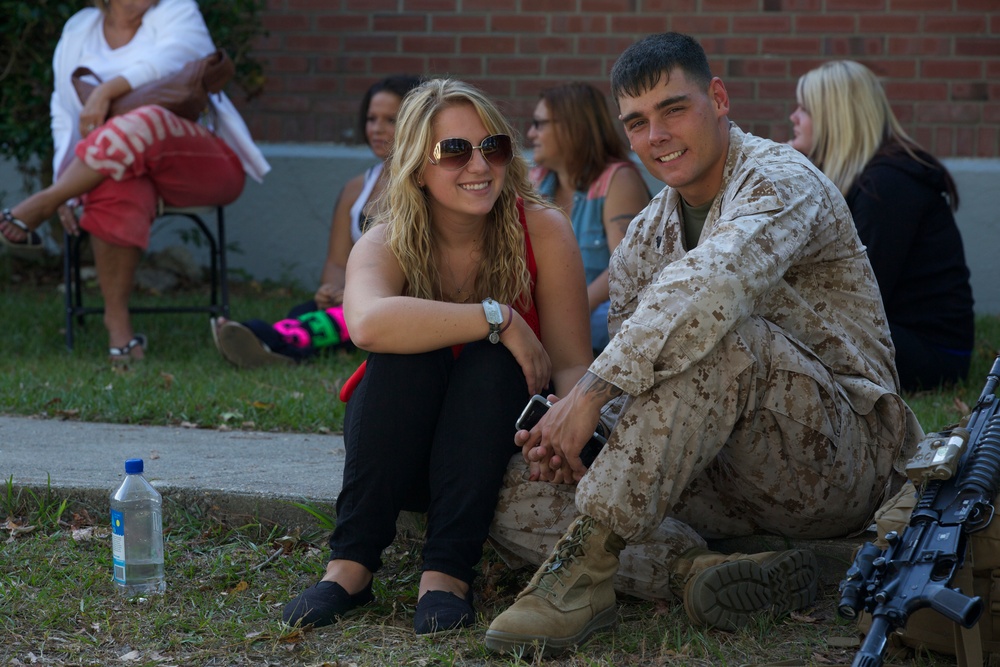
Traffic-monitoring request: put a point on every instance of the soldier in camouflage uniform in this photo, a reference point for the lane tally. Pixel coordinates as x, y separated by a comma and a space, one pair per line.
752, 367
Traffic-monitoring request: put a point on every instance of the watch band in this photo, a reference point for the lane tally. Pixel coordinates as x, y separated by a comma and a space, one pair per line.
494, 316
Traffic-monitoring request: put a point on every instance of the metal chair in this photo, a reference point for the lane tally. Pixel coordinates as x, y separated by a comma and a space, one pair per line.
219, 297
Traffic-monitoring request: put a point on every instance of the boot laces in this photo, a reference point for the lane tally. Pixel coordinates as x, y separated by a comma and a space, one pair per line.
563, 555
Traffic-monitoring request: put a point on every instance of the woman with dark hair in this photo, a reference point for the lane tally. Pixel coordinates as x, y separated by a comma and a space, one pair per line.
318, 324
583, 166
902, 199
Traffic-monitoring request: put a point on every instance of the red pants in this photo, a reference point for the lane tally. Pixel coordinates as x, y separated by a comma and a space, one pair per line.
150, 154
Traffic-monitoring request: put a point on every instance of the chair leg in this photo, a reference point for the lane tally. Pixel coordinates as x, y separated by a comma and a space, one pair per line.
223, 266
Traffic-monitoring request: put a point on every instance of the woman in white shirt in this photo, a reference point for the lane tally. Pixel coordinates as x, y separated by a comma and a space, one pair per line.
119, 168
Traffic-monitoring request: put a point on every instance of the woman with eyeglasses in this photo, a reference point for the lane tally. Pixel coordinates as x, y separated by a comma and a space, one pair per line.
583, 165
468, 294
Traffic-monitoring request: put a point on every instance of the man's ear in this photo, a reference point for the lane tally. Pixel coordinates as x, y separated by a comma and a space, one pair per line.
720, 96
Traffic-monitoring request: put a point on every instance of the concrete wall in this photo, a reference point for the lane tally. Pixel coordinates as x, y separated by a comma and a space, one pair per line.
278, 230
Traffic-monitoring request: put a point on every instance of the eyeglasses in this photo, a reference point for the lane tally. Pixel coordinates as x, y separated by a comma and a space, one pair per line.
538, 123
455, 154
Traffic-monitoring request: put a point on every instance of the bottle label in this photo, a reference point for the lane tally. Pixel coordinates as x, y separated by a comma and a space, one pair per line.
118, 545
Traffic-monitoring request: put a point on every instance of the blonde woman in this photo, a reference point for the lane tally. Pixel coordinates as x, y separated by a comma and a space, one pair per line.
468, 293
902, 200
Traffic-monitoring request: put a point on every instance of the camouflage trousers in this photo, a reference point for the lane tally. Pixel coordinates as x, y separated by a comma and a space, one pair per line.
757, 437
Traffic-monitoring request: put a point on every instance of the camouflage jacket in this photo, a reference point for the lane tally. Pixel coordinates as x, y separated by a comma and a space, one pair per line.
778, 243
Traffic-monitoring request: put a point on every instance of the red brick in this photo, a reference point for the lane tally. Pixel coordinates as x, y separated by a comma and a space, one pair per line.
596, 46
495, 88
919, 46
287, 64
951, 69
758, 67
285, 22
312, 84
853, 47
789, 45
763, 23
739, 90
608, 6
493, 44
986, 142
386, 65
993, 70
552, 6
489, 5
778, 90
400, 23
969, 91
576, 24
366, 5
943, 143
458, 67
730, 46
700, 25
641, 25
965, 142
894, 69
370, 44
904, 112
917, 5
956, 24
766, 111
430, 5
921, 91
825, 24
671, 6
429, 44
880, 24
730, 5
574, 67
458, 24
921, 134
948, 113
856, 5
793, 5
519, 23
513, 67
976, 5
313, 43
349, 23
991, 113
965, 46
545, 45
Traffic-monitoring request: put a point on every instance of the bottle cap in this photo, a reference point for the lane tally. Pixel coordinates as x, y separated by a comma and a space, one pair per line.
133, 467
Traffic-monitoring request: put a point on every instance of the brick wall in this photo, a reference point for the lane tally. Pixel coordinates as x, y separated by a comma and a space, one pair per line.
940, 59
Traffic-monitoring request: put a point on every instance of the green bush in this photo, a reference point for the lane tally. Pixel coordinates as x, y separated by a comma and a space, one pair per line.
30, 30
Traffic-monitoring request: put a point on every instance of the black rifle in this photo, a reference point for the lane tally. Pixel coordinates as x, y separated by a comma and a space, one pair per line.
958, 474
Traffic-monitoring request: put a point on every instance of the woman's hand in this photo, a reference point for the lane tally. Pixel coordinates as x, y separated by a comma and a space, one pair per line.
94, 113
552, 448
328, 295
528, 352
67, 217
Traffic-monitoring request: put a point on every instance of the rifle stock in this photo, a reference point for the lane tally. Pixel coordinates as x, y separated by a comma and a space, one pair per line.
958, 480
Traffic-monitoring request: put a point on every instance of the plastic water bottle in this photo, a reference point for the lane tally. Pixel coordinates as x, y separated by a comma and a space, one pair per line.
137, 534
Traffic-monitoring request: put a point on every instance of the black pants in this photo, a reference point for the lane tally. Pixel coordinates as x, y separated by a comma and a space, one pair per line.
924, 366
428, 432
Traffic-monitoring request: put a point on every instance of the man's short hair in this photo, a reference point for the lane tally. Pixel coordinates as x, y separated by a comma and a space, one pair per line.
641, 65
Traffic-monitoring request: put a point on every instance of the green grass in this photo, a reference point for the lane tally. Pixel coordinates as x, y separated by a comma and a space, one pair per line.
184, 379
227, 583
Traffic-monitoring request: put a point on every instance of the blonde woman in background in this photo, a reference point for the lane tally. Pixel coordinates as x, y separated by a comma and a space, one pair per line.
902, 200
468, 294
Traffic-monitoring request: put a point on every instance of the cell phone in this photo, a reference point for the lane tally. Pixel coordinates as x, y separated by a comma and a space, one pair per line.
538, 406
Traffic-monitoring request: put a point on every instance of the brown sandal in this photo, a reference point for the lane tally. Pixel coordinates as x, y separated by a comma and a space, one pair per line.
31, 242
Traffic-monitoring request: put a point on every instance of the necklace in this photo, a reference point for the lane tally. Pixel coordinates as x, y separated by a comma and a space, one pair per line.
460, 295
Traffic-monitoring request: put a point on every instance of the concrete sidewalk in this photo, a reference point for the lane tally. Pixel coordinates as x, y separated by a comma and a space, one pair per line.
238, 472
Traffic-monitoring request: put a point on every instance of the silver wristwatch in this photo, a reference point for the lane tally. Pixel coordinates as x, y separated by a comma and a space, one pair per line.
494, 315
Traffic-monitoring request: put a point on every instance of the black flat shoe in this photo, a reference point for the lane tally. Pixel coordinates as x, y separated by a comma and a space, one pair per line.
323, 604
440, 611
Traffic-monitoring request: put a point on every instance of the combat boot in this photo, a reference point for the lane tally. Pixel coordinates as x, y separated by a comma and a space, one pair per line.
728, 591
569, 598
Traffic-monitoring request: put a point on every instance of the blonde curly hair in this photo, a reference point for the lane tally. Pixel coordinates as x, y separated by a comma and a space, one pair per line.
405, 210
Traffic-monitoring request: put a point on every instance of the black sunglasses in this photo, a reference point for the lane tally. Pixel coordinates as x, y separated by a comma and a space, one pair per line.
455, 154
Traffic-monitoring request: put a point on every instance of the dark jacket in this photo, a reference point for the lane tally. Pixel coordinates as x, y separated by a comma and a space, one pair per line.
904, 218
